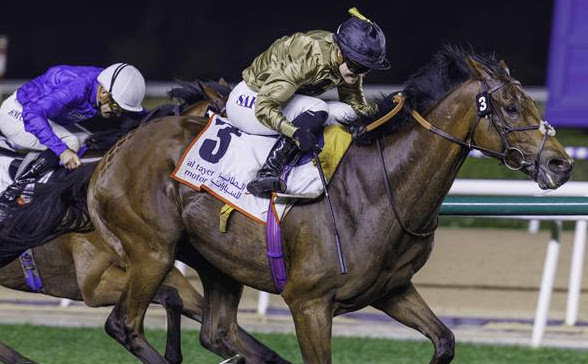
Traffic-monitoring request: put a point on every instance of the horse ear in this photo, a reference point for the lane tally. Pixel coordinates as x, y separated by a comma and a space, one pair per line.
211, 93
478, 70
223, 82
503, 65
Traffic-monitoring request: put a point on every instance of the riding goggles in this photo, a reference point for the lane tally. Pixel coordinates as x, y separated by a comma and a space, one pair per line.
114, 106
356, 68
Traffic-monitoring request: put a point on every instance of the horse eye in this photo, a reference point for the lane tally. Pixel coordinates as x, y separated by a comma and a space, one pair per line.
512, 109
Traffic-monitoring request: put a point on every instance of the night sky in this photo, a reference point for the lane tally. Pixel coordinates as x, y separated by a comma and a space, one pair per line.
209, 39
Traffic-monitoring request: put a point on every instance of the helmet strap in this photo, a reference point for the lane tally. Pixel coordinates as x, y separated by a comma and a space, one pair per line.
115, 74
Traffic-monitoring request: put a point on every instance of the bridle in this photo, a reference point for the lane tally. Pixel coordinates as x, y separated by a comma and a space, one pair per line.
512, 157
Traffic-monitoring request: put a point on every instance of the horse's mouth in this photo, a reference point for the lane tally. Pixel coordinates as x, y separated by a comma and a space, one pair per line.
546, 179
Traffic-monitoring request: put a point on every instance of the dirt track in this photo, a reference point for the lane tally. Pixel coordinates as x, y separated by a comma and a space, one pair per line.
483, 282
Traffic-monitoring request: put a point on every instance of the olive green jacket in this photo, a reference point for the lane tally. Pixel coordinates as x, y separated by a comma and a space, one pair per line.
303, 63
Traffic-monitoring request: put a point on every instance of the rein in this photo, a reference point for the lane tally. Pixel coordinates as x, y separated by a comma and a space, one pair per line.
399, 101
484, 107
393, 204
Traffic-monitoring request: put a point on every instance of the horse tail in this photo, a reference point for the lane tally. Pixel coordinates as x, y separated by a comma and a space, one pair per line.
59, 206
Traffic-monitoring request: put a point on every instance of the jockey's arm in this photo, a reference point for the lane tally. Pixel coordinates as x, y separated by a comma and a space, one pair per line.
37, 113
276, 90
354, 96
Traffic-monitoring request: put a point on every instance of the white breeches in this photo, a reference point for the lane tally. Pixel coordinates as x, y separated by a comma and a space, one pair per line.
12, 127
241, 109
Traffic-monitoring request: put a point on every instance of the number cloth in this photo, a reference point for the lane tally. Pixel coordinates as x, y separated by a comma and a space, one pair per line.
223, 159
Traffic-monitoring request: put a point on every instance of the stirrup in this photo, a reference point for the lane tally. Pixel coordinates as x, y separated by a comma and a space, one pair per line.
264, 186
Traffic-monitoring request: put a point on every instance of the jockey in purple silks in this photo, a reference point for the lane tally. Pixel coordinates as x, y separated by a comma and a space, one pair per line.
33, 118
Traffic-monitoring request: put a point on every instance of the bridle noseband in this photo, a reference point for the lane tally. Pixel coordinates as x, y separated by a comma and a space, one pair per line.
512, 157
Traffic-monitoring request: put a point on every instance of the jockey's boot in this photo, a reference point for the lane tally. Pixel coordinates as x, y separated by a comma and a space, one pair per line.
36, 169
268, 177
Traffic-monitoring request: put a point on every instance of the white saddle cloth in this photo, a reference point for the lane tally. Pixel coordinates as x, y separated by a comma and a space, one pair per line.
223, 159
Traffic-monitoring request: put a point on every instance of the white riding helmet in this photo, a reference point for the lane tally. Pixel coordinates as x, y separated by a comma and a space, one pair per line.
126, 85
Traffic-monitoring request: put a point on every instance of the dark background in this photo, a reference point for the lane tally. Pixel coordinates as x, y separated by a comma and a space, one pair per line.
209, 39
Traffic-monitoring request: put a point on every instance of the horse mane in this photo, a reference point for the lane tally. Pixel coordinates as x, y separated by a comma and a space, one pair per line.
426, 87
190, 93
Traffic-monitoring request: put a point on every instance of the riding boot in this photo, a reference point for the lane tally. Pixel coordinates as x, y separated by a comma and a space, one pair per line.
46, 162
268, 177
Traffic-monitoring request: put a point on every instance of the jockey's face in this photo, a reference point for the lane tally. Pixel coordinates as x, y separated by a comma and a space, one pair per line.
108, 107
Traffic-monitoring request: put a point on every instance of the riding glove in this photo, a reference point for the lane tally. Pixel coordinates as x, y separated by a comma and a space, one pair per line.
305, 140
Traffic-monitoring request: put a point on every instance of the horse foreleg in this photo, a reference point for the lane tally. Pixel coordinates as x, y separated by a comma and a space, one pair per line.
220, 332
10, 356
313, 320
145, 273
409, 308
100, 283
169, 298
196, 307
101, 287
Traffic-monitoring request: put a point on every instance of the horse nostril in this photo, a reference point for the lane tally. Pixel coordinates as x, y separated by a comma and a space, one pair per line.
560, 166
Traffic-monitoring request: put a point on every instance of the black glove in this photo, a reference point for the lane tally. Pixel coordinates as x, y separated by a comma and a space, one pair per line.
305, 140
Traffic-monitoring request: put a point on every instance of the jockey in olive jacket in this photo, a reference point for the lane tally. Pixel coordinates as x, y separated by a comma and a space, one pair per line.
305, 64
279, 89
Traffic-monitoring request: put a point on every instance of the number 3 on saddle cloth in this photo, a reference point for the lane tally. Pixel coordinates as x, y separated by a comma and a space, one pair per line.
223, 159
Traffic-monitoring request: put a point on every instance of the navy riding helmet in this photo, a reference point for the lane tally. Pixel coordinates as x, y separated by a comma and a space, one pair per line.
362, 41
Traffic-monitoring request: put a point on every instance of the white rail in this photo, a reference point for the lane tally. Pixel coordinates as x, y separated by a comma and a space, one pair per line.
490, 187
529, 188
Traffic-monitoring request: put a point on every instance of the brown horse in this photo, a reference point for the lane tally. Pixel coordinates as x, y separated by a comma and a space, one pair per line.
143, 214
77, 267
10, 356
74, 266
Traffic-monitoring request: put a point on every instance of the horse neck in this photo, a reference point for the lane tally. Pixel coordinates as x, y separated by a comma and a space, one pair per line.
421, 166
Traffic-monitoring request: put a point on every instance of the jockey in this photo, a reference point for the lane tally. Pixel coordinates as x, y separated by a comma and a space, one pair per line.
278, 93
35, 116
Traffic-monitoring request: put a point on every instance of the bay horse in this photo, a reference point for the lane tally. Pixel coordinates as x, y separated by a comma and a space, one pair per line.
79, 267
388, 236
74, 266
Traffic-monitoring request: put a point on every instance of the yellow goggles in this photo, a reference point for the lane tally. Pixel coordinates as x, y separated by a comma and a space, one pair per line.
115, 107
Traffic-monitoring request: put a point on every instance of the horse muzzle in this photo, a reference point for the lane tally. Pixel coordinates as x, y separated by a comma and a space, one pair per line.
552, 172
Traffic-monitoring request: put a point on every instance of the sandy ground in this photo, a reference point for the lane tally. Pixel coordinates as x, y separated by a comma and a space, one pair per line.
483, 283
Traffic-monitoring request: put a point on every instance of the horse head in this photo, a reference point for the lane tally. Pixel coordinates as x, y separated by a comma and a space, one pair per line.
509, 127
